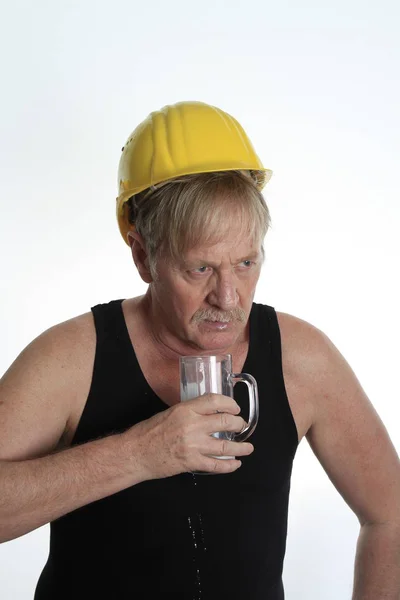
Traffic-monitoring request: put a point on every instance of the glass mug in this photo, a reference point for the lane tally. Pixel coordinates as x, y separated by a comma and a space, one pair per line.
213, 374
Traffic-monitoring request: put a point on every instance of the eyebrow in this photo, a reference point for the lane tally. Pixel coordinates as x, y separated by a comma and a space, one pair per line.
189, 263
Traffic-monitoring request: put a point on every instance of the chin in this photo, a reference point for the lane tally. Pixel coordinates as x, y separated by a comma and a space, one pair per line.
218, 340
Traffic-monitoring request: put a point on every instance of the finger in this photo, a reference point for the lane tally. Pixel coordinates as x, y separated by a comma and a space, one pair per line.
219, 466
223, 422
216, 447
209, 404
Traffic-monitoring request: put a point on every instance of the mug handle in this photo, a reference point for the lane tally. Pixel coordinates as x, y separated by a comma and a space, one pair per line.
253, 405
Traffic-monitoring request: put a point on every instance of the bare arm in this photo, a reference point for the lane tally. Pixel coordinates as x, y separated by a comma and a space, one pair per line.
353, 446
377, 568
37, 491
39, 480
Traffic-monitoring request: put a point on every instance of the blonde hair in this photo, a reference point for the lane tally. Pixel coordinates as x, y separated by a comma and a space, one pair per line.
184, 212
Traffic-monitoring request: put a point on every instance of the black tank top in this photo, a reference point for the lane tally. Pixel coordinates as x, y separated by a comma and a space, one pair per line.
186, 537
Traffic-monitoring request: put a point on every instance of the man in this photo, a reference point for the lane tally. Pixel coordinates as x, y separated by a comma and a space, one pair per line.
95, 441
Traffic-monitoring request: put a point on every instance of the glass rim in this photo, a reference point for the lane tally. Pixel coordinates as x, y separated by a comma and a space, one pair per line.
218, 357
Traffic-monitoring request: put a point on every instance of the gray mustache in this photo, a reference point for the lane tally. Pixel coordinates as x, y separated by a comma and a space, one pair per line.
207, 315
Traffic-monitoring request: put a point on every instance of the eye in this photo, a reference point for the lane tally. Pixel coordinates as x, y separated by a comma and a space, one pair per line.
247, 263
199, 270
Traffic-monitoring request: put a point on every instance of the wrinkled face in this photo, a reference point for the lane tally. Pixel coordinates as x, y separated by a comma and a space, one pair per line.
205, 301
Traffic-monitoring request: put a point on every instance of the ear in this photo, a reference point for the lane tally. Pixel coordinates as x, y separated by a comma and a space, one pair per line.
139, 255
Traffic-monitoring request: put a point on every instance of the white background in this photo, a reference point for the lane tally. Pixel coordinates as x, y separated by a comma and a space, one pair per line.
316, 86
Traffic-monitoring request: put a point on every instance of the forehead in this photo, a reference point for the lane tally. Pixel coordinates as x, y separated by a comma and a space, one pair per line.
230, 248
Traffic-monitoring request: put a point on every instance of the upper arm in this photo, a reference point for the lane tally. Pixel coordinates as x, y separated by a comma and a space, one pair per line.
347, 435
42, 386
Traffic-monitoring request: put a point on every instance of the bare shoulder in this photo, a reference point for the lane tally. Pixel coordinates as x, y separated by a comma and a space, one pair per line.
304, 346
311, 356
345, 431
40, 390
311, 359
304, 350
61, 345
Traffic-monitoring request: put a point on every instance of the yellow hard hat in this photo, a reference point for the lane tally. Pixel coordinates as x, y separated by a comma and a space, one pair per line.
182, 139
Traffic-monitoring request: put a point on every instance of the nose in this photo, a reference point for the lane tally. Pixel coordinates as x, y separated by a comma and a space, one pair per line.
224, 294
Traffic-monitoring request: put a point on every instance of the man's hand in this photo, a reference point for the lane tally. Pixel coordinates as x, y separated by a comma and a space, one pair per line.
179, 439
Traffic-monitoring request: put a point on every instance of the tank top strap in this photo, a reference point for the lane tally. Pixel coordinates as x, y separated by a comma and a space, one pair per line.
114, 369
265, 358
109, 322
